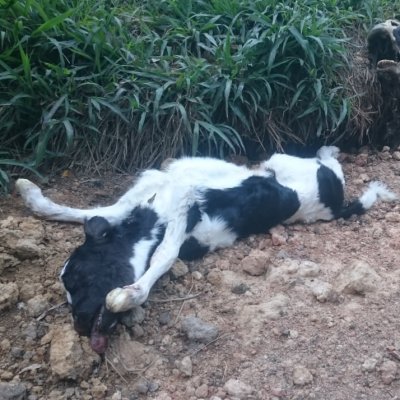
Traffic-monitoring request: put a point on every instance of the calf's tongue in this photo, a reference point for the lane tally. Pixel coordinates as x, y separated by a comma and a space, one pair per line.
98, 341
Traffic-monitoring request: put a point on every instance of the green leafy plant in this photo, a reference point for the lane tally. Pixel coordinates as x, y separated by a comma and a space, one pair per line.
111, 83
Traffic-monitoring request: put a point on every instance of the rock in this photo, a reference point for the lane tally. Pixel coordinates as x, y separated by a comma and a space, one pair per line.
29, 290
133, 354
369, 364
388, 371
276, 307
5, 346
26, 249
12, 391
185, 366
392, 217
396, 155
37, 305
198, 330
7, 261
98, 390
202, 391
133, 317
308, 269
279, 235
239, 289
301, 376
256, 263
197, 275
69, 358
165, 318
358, 278
8, 295
215, 277
238, 389
142, 386
179, 269
322, 291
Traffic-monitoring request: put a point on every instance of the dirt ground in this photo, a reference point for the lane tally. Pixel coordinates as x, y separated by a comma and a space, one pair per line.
309, 312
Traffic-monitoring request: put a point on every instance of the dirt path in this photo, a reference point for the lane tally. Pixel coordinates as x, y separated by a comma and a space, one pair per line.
320, 320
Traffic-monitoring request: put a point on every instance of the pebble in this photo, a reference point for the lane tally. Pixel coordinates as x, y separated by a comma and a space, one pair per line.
237, 388
26, 249
165, 318
215, 277
388, 371
198, 330
322, 291
396, 155
392, 217
369, 364
358, 278
12, 391
8, 295
37, 305
256, 263
202, 391
198, 276
179, 269
185, 366
301, 375
133, 317
142, 386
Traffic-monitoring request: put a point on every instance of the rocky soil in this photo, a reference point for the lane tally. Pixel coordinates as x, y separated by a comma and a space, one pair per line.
306, 312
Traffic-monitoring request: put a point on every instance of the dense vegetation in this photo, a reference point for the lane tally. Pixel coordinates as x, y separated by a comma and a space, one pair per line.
128, 83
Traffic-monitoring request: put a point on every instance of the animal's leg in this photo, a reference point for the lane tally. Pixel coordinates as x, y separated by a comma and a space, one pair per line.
148, 185
122, 299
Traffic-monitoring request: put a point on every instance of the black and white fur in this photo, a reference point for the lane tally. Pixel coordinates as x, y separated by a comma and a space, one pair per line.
194, 206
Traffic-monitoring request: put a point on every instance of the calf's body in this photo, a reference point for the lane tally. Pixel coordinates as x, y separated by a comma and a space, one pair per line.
194, 206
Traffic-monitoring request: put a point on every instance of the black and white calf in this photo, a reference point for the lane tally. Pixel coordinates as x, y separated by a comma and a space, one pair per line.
194, 206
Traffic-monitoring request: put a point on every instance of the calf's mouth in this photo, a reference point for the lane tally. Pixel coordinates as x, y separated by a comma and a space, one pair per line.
98, 339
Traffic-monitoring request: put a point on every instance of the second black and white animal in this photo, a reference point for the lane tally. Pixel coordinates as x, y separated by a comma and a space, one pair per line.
194, 206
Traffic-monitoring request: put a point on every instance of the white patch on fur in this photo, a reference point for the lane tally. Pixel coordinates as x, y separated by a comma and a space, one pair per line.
69, 298
213, 232
141, 251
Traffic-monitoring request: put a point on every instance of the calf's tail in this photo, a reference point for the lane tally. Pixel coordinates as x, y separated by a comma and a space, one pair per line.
375, 191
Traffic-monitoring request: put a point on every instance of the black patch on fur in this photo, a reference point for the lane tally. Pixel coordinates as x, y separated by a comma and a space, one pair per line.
101, 264
191, 250
193, 217
353, 208
331, 193
255, 206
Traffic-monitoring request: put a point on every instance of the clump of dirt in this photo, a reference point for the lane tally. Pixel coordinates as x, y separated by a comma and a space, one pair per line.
307, 312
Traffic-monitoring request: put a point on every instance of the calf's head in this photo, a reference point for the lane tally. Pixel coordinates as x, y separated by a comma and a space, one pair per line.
96, 267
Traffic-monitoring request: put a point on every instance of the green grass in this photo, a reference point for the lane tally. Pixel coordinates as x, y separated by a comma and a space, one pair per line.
126, 84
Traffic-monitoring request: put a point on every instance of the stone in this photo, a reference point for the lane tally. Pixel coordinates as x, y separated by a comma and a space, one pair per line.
256, 263
369, 364
26, 249
388, 371
12, 391
29, 290
396, 155
238, 389
392, 217
7, 261
202, 391
359, 278
308, 269
322, 291
279, 235
69, 358
301, 375
215, 277
8, 295
179, 269
37, 305
198, 330
185, 366
276, 307
133, 317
